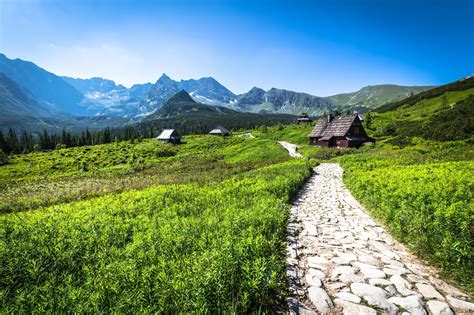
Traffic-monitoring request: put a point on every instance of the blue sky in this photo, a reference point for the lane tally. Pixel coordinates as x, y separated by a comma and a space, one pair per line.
319, 47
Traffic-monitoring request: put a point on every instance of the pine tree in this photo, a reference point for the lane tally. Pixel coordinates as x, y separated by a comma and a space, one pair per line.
12, 141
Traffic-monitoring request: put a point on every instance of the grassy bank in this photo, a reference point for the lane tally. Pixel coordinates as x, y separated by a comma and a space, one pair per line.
424, 195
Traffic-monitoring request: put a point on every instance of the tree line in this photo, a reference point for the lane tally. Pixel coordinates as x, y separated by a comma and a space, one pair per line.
13, 142
25, 142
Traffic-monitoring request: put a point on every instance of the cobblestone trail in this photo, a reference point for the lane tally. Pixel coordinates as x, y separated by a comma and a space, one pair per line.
341, 261
292, 149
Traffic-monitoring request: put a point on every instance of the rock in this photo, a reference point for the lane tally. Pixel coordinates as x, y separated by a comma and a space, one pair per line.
298, 308
310, 229
448, 289
391, 262
317, 260
394, 272
379, 282
313, 280
374, 296
346, 296
342, 270
350, 277
416, 278
379, 246
363, 265
428, 291
349, 308
439, 308
317, 273
460, 306
391, 290
411, 303
336, 286
390, 254
347, 257
370, 273
402, 285
368, 260
320, 299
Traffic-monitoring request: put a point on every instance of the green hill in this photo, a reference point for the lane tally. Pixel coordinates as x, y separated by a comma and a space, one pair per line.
443, 113
371, 97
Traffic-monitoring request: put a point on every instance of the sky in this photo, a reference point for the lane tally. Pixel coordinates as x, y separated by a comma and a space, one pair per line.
321, 47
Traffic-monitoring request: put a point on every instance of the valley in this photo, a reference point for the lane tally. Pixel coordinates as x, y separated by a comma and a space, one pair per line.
140, 225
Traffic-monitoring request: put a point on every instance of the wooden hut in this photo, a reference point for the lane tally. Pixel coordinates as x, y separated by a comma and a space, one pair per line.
220, 131
340, 131
304, 118
170, 136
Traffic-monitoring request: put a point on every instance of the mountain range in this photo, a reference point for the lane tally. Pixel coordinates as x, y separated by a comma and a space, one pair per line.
181, 111
56, 96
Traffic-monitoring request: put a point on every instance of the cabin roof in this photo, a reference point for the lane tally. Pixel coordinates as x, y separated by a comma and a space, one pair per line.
168, 134
219, 130
304, 116
337, 127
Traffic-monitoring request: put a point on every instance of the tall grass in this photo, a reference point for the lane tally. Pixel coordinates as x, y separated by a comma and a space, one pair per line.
208, 248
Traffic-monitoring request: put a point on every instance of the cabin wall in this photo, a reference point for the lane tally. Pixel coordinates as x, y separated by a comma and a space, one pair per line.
314, 141
342, 142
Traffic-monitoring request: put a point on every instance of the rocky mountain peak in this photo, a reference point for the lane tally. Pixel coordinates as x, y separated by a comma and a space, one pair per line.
180, 97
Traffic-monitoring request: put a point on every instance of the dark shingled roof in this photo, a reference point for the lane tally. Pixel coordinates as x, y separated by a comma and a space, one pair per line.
304, 117
338, 127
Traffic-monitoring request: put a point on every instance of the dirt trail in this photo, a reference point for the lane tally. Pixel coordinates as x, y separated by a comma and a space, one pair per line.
342, 261
292, 149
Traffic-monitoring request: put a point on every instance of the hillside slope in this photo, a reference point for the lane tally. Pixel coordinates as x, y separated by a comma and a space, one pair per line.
17, 102
371, 97
43, 84
443, 113
21, 110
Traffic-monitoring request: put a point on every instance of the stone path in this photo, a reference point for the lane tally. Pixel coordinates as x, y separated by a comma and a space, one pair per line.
341, 261
292, 149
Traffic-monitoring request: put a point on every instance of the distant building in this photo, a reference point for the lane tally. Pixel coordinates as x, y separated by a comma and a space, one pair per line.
304, 118
220, 131
170, 135
340, 131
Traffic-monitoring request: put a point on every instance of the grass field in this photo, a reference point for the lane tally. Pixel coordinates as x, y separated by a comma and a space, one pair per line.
202, 230
47, 178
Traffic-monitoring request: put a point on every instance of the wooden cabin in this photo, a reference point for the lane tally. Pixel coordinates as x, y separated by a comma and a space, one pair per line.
340, 131
304, 118
220, 131
170, 136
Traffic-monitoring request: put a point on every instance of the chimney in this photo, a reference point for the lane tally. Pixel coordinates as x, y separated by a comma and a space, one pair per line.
330, 116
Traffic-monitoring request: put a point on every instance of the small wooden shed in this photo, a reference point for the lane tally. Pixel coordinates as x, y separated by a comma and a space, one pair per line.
170, 136
304, 118
220, 131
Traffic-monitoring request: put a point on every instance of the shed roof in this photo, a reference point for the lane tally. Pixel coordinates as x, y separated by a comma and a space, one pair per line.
337, 127
304, 116
219, 130
168, 134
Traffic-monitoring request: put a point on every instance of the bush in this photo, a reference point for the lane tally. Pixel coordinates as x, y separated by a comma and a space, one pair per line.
3, 158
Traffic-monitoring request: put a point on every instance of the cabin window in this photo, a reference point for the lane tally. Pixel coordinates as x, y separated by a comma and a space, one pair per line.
356, 131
